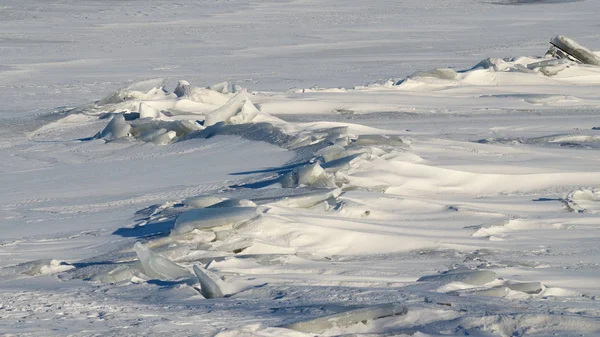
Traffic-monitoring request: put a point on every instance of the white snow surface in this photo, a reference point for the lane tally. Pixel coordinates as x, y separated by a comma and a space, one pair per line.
298, 168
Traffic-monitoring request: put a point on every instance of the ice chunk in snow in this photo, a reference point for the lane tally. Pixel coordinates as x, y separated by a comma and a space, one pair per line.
576, 50
147, 111
116, 128
310, 174
441, 73
202, 95
527, 287
472, 277
234, 203
212, 217
585, 200
348, 318
165, 138
119, 274
237, 110
222, 87
149, 135
208, 283
47, 266
202, 201
157, 266
331, 152
181, 88
246, 113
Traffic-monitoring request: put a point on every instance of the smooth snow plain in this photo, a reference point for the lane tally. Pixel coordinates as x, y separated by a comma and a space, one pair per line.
298, 168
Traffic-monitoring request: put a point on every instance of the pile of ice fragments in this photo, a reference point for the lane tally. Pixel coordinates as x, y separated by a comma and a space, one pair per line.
562, 61
162, 117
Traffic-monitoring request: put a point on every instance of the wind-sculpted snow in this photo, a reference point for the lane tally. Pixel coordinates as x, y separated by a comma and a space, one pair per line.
349, 235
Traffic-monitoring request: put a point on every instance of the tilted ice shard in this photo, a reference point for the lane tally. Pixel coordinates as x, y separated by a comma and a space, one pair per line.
231, 108
208, 283
576, 50
348, 318
116, 128
157, 266
222, 87
246, 113
212, 217
473, 277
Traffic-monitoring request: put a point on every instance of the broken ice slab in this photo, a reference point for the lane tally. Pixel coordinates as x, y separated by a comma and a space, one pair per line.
116, 128
157, 266
527, 287
212, 217
472, 277
208, 283
119, 274
441, 73
348, 318
575, 50
202, 201
233, 203
237, 110
310, 174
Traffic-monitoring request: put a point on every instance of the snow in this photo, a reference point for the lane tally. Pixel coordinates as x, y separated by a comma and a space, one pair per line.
298, 168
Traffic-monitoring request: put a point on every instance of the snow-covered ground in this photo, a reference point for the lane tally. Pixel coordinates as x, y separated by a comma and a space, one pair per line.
370, 168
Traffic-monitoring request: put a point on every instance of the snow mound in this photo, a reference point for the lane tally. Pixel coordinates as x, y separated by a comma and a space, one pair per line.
45, 267
585, 200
